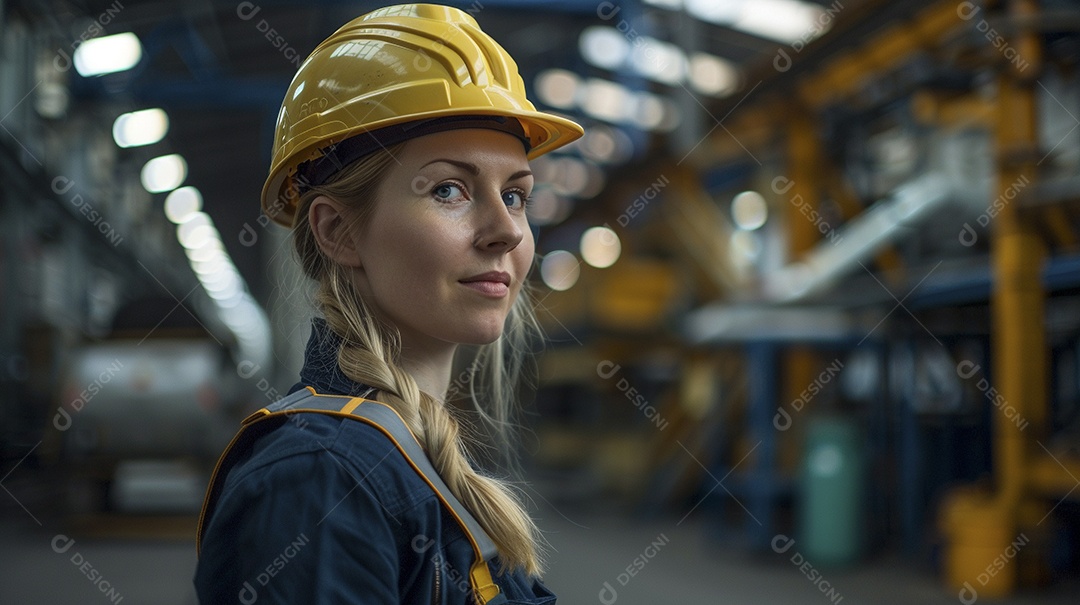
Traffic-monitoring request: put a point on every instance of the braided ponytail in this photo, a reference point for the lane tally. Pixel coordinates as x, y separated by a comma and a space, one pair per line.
370, 354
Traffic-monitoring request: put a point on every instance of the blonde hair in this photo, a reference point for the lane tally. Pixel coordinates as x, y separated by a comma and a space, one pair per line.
370, 354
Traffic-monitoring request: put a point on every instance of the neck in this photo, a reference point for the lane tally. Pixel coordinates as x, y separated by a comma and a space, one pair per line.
429, 364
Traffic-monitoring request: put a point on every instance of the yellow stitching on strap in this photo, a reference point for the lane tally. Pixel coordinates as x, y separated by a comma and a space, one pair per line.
352, 405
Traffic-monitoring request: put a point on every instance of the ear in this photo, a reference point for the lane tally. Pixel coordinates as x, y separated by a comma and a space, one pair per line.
329, 225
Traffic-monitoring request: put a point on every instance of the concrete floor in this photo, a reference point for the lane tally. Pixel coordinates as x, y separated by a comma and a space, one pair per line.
590, 551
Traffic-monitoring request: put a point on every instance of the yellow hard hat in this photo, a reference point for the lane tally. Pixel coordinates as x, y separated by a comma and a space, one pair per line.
402, 71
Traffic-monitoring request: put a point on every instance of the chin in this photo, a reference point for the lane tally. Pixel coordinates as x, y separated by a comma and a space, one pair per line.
482, 332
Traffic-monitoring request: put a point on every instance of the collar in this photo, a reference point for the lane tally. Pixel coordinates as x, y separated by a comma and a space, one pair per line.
321, 371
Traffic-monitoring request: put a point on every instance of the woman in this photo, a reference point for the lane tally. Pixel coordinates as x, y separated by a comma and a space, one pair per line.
401, 165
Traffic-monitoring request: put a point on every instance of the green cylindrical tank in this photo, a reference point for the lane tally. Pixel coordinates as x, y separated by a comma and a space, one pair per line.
831, 499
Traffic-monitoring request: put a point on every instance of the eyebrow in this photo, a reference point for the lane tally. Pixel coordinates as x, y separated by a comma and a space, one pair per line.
474, 169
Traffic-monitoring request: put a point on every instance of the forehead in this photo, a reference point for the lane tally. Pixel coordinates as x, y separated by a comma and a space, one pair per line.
490, 149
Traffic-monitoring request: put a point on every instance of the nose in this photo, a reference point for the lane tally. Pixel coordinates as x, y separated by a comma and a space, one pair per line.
497, 229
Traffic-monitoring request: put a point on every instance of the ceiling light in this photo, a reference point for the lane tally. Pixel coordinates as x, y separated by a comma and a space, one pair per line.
108, 54
782, 20
183, 230
785, 21
604, 47
182, 204
648, 111
606, 100
558, 88
712, 75
164, 173
140, 127
659, 61
573, 177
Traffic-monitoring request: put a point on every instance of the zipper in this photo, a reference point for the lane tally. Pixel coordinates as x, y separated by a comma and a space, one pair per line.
438, 582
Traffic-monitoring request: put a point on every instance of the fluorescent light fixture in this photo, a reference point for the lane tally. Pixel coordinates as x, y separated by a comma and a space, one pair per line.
108, 54
659, 61
786, 21
182, 204
560, 270
184, 229
573, 177
211, 250
649, 111
712, 75
782, 20
668, 4
164, 173
604, 47
607, 100
722, 12
600, 247
198, 236
140, 127
558, 88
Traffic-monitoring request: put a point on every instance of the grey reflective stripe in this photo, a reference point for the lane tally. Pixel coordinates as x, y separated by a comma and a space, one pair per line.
303, 398
383, 416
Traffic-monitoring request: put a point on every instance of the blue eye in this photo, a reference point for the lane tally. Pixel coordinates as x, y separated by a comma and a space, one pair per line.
448, 191
514, 199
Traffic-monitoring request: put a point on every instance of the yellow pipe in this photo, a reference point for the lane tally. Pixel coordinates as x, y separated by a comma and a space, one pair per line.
1060, 226
844, 75
1018, 256
804, 170
1053, 476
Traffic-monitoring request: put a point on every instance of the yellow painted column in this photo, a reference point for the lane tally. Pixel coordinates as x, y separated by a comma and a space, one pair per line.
1019, 253
804, 167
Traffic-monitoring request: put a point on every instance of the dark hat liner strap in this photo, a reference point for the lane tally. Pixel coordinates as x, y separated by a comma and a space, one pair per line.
315, 172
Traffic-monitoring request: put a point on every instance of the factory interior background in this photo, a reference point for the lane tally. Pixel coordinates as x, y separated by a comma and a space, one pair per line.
810, 285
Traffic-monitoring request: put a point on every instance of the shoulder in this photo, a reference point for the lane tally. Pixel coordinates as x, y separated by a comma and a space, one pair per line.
305, 448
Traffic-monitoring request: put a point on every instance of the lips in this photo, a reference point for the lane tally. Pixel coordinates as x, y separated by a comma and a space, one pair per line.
493, 284
501, 277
